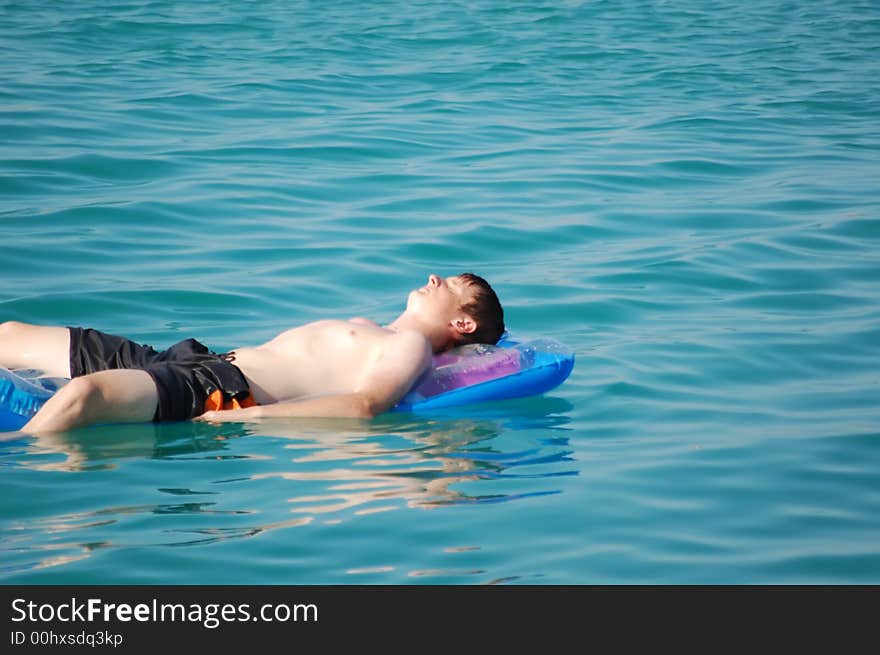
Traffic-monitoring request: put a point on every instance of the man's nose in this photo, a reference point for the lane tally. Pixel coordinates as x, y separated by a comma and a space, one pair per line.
434, 280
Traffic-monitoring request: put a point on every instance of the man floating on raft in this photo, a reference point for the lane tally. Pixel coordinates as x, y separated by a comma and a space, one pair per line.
327, 368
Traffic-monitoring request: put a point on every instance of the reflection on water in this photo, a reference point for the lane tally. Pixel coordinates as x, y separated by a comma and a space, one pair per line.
108, 446
192, 484
422, 472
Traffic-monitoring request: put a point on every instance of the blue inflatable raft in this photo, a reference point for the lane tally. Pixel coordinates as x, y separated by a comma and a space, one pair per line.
480, 373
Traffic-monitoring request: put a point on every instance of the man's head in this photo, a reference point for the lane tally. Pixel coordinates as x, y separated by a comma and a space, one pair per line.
485, 308
457, 310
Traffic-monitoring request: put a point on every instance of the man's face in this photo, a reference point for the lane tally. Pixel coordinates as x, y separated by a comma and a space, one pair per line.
440, 300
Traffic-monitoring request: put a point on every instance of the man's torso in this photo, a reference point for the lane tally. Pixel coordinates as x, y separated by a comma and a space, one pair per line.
316, 359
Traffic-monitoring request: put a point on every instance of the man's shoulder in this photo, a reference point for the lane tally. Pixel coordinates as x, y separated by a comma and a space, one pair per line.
408, 347
410, 339
398, 363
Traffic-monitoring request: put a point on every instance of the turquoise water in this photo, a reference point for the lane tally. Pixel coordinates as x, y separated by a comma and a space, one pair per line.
685, 193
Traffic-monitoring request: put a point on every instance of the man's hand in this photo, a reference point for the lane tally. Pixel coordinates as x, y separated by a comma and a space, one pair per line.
350, 405
229, 415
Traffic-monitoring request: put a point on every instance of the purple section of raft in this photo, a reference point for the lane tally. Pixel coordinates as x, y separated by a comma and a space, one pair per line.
480, 373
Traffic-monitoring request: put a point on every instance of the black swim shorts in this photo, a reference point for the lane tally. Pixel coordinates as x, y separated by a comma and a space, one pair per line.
190, 378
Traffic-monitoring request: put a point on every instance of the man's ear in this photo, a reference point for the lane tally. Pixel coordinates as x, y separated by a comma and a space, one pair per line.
464, 325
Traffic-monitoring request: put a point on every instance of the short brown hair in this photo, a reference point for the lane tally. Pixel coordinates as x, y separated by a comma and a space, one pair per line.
485, 309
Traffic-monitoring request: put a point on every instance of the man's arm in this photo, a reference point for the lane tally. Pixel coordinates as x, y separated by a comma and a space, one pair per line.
404, 357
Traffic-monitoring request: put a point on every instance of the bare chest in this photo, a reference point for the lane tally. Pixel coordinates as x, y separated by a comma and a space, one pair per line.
326, 357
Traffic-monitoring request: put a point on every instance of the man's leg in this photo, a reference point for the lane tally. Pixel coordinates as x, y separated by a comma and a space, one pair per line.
115, 396
35, 346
